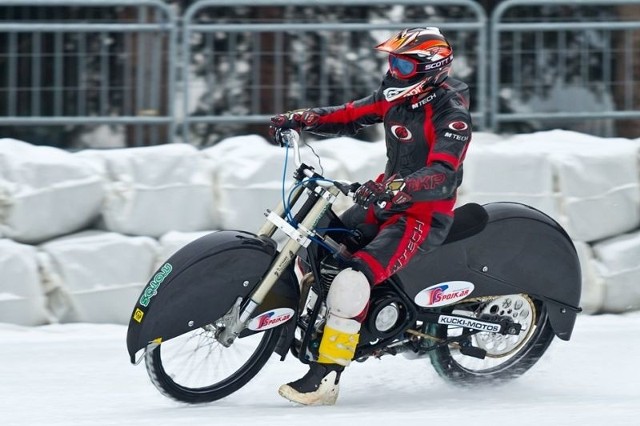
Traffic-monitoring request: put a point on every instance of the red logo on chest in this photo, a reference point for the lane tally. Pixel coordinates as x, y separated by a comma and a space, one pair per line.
401, 133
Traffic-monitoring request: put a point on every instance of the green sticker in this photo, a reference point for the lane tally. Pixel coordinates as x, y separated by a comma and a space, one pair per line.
152, 288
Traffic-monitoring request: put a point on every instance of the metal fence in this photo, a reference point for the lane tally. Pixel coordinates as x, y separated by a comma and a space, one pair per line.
79, 63
556, 66
292, 63
121, 63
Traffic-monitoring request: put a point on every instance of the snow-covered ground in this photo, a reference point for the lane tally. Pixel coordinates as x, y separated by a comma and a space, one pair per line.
79, 374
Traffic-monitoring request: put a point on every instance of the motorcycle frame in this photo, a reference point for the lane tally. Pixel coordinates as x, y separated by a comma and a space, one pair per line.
318, 204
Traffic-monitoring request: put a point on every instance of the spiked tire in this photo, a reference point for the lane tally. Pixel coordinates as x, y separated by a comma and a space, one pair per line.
505, 359
178, 374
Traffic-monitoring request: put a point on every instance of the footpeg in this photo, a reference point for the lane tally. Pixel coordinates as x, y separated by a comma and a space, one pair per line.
472, 351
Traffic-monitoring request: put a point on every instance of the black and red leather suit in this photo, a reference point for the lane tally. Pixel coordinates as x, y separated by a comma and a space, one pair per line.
426, 138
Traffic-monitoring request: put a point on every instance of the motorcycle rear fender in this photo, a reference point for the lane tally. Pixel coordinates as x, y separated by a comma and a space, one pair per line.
518, 250
199, 284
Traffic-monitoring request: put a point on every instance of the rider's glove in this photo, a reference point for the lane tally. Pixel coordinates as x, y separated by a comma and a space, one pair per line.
369, 193
395, 188
388, 193
296, 120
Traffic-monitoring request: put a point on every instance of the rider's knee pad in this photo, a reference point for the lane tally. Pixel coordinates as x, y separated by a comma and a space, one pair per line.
349, 294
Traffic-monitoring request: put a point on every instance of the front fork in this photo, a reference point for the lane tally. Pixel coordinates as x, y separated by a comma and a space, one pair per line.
299, 236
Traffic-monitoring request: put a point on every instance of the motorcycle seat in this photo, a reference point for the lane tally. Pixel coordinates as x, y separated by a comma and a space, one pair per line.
468, 220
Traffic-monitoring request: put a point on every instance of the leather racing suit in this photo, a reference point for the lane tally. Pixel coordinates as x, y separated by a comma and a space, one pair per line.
426, 140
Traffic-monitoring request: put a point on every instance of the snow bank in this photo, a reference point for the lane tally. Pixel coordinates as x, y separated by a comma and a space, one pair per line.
590, 185
593, 284
617, 260
45, 192
248, 173
597, 181
154, 190
496, 172
96, 276
358, 161
173, 241
136, 207
22, 299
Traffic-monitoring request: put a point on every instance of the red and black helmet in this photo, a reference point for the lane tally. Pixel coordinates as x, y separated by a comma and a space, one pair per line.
419, 58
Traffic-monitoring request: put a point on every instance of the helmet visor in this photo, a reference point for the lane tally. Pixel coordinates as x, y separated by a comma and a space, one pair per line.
402, 67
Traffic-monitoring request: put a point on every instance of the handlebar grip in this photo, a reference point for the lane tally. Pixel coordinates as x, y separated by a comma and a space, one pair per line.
347, 188
288, 137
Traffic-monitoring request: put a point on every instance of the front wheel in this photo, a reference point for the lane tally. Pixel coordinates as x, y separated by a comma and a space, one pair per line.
195, 368
507, 356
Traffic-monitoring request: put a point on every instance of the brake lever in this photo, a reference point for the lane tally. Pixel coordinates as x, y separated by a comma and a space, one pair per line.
347, 188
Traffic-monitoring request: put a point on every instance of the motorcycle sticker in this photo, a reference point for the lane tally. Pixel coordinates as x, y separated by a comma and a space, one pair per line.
469, 323
443, 294
138, 314
152, 289
270, 319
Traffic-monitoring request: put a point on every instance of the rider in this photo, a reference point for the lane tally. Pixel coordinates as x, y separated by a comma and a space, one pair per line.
427, 130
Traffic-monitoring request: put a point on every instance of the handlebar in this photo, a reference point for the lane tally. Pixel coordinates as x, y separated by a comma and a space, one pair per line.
291, 138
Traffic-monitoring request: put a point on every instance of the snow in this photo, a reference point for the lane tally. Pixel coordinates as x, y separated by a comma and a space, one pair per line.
79, 374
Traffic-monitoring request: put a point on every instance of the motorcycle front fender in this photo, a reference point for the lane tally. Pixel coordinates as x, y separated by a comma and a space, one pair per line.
201, 282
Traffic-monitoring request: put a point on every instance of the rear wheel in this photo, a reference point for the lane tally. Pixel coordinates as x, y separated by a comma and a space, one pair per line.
196, 368
507, 356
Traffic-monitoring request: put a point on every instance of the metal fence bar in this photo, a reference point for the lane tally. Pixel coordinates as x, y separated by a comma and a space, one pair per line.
79, 120
190, 27
502, 27
81, 28
58, 77
36, 57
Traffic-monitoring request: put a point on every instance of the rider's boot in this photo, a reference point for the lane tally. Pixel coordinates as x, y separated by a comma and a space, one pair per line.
320, 386
347, 299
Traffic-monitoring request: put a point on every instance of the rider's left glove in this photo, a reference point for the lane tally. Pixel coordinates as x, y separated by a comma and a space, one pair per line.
296, 120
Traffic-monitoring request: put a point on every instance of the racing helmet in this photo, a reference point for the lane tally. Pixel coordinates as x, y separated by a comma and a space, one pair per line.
419, 59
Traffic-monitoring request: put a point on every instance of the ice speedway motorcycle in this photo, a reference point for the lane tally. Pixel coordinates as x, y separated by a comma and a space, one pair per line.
483, 307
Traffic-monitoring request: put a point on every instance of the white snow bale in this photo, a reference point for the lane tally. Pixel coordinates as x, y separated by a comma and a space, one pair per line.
361, 160
173, 241
22, 298
358, 161
97, 276
248, 175
496, 172
618, 262
593, 291
597, 180
154, 190
45, 192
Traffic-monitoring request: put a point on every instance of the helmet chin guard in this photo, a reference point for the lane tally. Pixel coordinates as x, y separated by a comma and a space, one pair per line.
396, 92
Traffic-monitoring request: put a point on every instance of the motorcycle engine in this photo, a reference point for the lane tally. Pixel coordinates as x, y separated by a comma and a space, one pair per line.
386, 316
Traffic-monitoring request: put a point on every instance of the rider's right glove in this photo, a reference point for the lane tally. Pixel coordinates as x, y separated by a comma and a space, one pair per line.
388, 193
370, 192
297, 120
